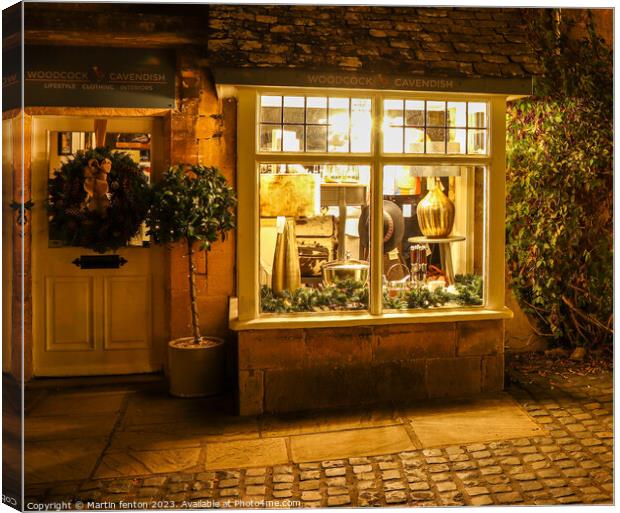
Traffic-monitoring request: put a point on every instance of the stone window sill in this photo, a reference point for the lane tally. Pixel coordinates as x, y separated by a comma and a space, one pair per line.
340, 319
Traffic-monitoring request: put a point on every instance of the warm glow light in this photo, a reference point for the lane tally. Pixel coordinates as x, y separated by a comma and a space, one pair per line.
276, 137
291, 142
280, 222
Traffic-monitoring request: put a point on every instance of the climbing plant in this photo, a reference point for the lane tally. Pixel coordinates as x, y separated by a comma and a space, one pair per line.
560, 187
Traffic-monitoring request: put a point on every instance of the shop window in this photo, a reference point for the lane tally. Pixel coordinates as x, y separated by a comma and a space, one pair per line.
322, 243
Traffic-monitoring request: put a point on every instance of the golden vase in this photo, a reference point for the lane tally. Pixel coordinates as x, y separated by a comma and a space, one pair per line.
435, 213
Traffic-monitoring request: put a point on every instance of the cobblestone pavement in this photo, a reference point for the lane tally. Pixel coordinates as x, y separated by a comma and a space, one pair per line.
572, 465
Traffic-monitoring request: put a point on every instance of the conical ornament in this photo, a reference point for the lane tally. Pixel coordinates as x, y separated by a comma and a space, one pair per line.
286, 273
277, 272
435, 213
292, 270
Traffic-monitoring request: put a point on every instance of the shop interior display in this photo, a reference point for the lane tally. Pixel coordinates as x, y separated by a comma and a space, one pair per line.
314, 227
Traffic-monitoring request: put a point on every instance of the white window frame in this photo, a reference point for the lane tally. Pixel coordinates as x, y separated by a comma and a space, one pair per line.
245, 308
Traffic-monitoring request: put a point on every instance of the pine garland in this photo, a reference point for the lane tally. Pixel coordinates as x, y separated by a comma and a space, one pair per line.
353, 295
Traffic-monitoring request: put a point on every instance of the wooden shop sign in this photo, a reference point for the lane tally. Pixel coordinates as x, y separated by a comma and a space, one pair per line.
352, 80
99, 77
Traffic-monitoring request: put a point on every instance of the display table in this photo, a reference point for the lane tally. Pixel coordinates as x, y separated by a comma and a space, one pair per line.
444, 252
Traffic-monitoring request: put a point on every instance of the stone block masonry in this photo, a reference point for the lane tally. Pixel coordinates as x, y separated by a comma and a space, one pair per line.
282, 370
465, 42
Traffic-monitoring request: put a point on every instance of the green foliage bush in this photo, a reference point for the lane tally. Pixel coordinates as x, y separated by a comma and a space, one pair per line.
560, 190
193, 204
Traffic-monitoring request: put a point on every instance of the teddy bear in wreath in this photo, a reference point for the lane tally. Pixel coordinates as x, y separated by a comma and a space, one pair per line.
96, 185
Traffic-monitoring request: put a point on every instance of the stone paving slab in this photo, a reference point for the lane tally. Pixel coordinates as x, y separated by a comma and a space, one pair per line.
468, 421
246, 453
42, 429
79, 404
351, 443
140, 463
71, 459
567, 460
309, 423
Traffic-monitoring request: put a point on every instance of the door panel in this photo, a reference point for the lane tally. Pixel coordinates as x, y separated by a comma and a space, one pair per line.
93, 321
121, 329
69, 314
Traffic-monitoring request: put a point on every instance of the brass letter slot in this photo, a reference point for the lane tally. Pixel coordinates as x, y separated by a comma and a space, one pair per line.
99, 261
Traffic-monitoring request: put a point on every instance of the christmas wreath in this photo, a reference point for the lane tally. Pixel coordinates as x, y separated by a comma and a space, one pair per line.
97, 200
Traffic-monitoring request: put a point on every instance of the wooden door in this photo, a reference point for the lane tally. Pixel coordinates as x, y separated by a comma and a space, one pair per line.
99, 321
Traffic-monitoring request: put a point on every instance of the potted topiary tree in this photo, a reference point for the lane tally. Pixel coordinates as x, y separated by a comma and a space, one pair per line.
195, 205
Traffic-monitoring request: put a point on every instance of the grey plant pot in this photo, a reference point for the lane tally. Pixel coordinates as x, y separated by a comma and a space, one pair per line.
196, 371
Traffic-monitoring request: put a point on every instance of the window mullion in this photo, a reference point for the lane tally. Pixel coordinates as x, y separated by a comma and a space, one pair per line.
375, 304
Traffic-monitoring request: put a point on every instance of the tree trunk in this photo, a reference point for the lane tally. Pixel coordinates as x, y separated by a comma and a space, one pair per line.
192, 292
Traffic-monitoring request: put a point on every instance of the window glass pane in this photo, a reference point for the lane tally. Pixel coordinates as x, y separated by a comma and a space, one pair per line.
477, 141
339, 122
393, 112
456, 140
316, 110
338, 106
392, 140
293, 138
270, 138
361, 125
294, 109
414, 140
271, 109
433, 261
316, 138
313, 238
436, 140
456, 114
414, 113
436, 113
477, 115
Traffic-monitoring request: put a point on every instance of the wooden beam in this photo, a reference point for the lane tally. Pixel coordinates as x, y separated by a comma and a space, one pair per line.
118, 39
107, 112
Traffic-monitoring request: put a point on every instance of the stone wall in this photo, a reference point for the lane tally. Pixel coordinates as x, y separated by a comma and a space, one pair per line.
434, 41
287, 370
203, 132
